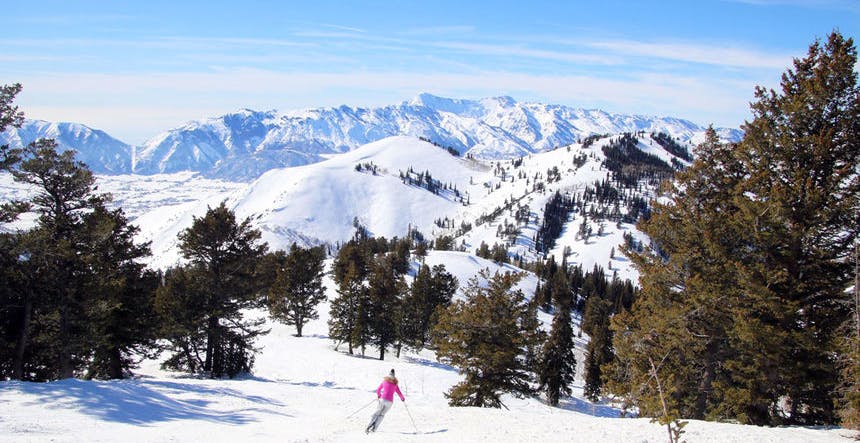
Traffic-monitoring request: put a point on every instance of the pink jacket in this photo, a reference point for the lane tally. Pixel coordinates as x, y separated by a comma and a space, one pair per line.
387, 389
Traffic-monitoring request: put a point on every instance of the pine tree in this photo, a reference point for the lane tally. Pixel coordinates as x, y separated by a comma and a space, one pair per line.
298, 288
122, 321
353, 253
223, 256
558, 364
23, 305
742, 298
490, 337
344, 311
9, 116
65, 193
385, 291
431, 290
181, 304
595, 323
802, 151
443, 287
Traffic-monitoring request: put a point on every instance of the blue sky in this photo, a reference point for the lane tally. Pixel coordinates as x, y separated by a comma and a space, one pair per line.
137, 68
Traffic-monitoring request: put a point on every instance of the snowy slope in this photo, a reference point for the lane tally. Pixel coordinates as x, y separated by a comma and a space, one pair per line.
303, 390
319, 203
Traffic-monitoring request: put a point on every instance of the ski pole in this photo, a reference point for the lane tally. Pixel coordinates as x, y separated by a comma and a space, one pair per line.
410, 418
361, 409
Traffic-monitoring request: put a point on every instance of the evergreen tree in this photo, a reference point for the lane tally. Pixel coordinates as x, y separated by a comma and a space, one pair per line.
75, 294
401, 255
414, 325
65, 193
802, 152
385, 291
223, 256
298, 288
489, 336
344, 312
742, 298
23, 305
431, 291
558, 364
595, 323
181, 304
9, 116
443, 287
354, 253
122, 321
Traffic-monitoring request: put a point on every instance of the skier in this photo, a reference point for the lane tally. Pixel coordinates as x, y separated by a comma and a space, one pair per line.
385, 395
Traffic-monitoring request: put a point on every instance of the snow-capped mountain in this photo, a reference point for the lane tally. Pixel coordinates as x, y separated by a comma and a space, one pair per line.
245, 144
103, 153
403, 183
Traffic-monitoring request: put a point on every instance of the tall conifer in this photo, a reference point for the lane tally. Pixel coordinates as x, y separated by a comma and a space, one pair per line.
557, 366
490, 337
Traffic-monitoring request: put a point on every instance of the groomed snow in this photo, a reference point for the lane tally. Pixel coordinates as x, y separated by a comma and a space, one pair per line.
303, 390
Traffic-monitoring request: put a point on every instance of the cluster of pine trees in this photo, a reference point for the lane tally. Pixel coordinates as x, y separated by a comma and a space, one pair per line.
375, 306
75, 300
555, 214
493, 337
743, 312
631, 166
592, 296
672, 146
426, 181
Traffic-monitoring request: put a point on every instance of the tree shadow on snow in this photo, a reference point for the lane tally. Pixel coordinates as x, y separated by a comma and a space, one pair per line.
325, 384
430, 363
586, 407
144, 402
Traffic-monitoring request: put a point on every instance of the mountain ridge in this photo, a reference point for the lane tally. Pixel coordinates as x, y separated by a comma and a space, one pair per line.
242, 145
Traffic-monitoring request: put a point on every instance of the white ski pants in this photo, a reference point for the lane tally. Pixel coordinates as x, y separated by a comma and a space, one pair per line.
384, 406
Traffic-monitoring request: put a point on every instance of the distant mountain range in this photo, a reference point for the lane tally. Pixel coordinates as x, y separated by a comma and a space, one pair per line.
243, 145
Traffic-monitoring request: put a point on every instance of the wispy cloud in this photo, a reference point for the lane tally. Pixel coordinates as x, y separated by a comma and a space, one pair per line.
695, 53
439, 30
510, 50
343, 28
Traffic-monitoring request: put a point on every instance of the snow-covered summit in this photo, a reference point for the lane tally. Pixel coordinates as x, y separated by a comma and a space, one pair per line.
244, 144
103, 153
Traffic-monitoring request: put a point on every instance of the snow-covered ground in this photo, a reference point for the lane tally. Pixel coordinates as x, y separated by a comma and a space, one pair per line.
303, 390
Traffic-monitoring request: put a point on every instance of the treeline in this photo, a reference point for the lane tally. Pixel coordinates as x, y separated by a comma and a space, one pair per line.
375, 306
426, 181
568, 290
630, 165
449, 149
555, 214
672, 146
